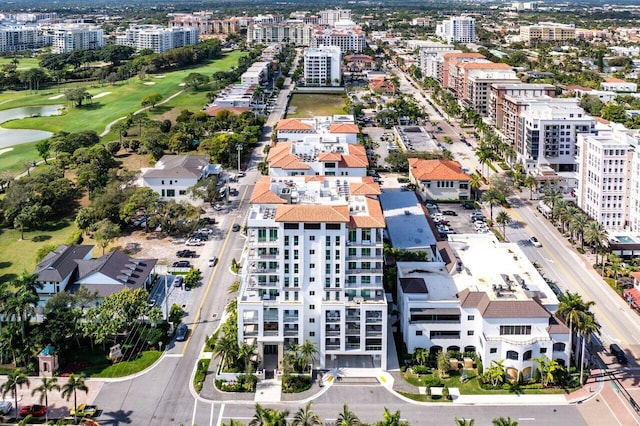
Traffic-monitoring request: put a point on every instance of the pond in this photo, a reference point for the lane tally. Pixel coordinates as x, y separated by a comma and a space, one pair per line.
10, 137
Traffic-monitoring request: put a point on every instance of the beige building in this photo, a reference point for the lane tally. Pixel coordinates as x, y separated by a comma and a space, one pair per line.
547, 31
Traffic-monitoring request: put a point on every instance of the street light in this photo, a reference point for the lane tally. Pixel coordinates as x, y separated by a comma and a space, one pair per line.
239, 149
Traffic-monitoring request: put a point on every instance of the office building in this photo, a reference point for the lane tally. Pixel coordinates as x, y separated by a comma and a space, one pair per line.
348, 39
295, 32
547, 31
322, 66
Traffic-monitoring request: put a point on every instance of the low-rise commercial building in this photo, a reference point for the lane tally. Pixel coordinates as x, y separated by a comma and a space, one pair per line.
439, 179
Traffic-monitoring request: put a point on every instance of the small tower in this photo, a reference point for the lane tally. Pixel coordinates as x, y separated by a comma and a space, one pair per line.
48, 361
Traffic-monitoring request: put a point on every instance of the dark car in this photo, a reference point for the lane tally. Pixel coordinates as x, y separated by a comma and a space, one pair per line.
200, 236
33, 410
618, 353
181, 333
182, 264
178, 280
186, 253
468, 206
449, 213
235, 227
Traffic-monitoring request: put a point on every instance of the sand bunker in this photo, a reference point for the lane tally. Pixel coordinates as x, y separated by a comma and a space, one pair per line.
182, 84
99, 95
56, 97
149, 83
159, 76
2, 151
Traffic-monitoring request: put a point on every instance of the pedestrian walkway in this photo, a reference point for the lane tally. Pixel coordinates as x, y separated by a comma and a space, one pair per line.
268, 391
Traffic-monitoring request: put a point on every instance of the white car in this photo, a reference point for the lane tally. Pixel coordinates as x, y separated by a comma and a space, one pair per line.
217, 207
5, 407
194, 242
534, 241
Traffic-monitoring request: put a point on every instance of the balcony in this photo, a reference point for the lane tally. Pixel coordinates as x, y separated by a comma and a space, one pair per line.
332, 346
254, 282
270, 333
332, 318
352, 346
332, 332
291, 318
374, 347
254, 269
526, 341
291, 332
261, 242
353, 331
254, 255
353, 318
374, 320
363, 271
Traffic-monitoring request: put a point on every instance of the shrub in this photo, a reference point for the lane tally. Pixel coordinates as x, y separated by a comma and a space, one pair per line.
403, 369
431, 381
421, 369
201, 373
295, 384
75, 238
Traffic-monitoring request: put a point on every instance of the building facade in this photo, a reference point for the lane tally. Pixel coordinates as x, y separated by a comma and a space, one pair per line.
18, 38
458, 29
439, 179
313, 271
547, 31
292, 31
352, 39
322, 66
69, 37
157, 38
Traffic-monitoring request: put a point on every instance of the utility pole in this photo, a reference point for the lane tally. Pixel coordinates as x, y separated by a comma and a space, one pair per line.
239, 149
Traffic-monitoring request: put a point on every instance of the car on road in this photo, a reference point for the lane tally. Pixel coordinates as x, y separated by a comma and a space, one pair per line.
534, 241
213, 261
84, 410
618, 353
186, 253
33, 410
235, 227
181, 333
182, 264
449, 213
178, 280
241, 174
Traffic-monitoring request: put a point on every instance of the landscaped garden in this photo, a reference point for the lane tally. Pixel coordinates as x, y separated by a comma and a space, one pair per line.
316, 104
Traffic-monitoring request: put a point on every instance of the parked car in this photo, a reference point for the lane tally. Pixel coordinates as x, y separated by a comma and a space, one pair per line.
210, 220
449, 213
84, 410
33, 410
241, 174
186, 253
5, 407
178, 280
182, 264
181, 333
213, 261
205, 231
534, 241
468, 206
194, 242
217, 207
431, 206
235, 227
618, 353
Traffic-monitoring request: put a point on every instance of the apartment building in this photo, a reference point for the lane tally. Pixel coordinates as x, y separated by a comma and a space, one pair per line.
69, 37
605, 164
205, 23
348, 39
317, 156
480, 295
313, 271
322, 66
18, 38
342, 127
427, 57
451, 59
499, 91
330, 17
548, 130
547, 31
295, 32
439, 179
618, 85
257, 73
476, 82
458, 29
158, 38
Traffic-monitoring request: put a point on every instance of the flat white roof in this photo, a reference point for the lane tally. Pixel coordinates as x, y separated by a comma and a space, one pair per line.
407, 224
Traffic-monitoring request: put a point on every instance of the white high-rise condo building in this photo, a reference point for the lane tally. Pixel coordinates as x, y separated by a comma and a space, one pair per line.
322, 66
313, 271
69, 37
330, 17
348, 39
458, 29
157, 38
16, 38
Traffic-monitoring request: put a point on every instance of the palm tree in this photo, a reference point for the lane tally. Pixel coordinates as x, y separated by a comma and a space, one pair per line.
226, 348
504, 421
579, 224
306, 417
485, 154
268, 417
531, 183
595, 236
572, 308
73, 385
47, 385
308, 352
14, 379
503, 219
569, 213
234, 423
550, 198
464, 422
495, 372
391, 419
475, 182
615, 264
493, 198
560, 211
347, 418
587, 327
549, 369
421, 355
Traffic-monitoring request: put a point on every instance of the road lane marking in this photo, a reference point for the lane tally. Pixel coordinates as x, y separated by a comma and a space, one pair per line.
577, 284
220, 415
195, 408
174, 355
211, 415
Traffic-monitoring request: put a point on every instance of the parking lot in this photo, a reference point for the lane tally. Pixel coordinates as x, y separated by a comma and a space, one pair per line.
453, 218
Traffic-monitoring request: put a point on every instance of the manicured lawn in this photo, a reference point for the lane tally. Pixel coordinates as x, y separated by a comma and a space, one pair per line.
15, 159
23, 64
309, 105
124, 368
17, 256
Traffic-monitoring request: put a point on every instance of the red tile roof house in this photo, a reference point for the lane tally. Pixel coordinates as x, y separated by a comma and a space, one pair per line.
382, 87
439, 179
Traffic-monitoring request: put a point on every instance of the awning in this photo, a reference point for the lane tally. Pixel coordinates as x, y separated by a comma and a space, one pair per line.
632, 295
435, 311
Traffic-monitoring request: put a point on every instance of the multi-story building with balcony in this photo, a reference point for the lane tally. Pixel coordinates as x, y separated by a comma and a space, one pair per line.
330, 17
458, 29
477, 81
481, 296
499, 91
450, 63
205, 23
429, 53
18, 38
341, 127
69, 37
352, 39
295, 32
322, 66
547, 31
157, 38
313, 271
548, 130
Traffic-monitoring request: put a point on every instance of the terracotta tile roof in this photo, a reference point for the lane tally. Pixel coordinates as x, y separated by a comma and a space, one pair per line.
366, 187
314, 178
601, 120
436, 170
329, 156
471, 55
635, 275
613, 80
501, 308
292, 124
344, 128
280, 157
487, 65
382, 85
312, 213
212, 111
375, 218
262, 193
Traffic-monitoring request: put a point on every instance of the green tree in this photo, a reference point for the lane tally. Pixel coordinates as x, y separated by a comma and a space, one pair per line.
503, 219
587, 327
306, 417
421, 355
550, 198
175, 314
73, 385
492, 197
347, 418
572, 308
105, 232
595, 236
531, 183
15, 379
308, 353
151, 100
144, 200
77, 95
44, 149
391, 419
192, 278
268, 417
464, 422
475, 183
31, 217
195, 80
496, 373
48, 384
504, 421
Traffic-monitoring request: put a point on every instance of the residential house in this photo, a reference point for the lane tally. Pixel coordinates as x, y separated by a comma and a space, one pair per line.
439, 179
383, 87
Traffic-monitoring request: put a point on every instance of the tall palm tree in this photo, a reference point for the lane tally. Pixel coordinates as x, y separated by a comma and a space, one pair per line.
47, 385
587, 327
268, 417
615, 264
504, 421
595, 235
391, 419
572, 308
73, 385
579, 224
421, 355
347, 418
493, 198
306, 417
308, 352
503, 219
485, 154
496, 372
569, 213
550, 198
475, 182
531, 183
14, 379
464, 422
560, 211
